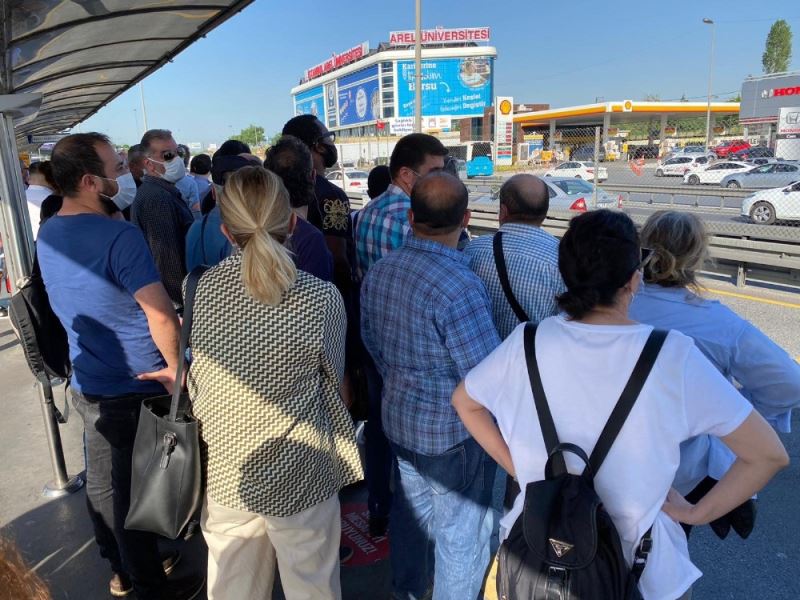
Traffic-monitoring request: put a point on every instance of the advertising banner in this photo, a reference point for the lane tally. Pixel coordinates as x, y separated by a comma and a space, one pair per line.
440, 36
504, 130
338, 60
359, 97
310, 102
787, 139
763, 97
451, 87
330, 103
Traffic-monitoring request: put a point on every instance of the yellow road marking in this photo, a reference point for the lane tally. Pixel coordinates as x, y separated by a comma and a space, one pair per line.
754, 298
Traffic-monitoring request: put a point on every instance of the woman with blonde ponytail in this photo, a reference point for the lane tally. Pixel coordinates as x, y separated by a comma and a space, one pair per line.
672, 298
268, 359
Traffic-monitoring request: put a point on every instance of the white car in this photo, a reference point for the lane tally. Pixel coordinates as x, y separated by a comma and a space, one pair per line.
351, 180
714, 173
581, 170
777, 204
680, 165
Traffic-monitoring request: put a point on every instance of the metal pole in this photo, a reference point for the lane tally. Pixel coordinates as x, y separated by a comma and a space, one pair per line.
710, 74
418, 69
62, 484
596, 163
144, 109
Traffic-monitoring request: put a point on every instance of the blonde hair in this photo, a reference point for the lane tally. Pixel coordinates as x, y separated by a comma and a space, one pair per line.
679, 247
255, 209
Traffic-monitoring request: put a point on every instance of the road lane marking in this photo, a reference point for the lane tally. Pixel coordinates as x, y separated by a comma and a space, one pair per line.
753, 298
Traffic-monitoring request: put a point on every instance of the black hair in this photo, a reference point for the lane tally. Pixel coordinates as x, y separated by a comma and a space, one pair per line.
526, 198
232, 148
412, 150
596, 257
378, 181
306, 128
45, 169
136, 153
439, 201
290, 159
154, 134
201, 164
73, 157
187, 154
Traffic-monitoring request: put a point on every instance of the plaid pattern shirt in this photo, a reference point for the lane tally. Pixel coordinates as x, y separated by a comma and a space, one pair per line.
426, 321
532, 261
381, 226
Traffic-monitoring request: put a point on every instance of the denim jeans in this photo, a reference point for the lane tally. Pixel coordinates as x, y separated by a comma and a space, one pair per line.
438, 522
378, 460
110, 429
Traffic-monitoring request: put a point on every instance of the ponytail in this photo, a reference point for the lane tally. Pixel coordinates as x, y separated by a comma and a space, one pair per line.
255, 209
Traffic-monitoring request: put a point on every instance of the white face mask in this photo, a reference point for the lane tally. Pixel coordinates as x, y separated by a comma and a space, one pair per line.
126, 191
175, 169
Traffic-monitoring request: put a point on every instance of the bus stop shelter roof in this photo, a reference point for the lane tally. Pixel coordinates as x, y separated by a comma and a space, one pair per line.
81, 54
622, 111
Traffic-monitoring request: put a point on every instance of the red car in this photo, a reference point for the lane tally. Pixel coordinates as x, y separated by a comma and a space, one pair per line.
726, 148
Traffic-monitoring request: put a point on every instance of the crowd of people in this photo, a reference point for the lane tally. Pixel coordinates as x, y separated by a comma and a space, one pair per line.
310, 309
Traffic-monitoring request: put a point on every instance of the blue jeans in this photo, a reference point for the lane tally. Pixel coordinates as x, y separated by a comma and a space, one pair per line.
438, 522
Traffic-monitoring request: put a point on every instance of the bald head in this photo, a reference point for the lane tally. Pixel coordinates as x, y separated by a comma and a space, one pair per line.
438, 204
524, 198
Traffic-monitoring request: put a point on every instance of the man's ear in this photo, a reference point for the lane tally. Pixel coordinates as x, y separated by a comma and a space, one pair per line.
292, 222
467, 215
503, 214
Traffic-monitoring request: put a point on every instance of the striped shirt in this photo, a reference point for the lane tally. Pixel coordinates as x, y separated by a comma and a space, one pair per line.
532, 261
381, 226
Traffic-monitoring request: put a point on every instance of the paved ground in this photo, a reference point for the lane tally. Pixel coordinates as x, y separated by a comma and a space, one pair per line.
55, 535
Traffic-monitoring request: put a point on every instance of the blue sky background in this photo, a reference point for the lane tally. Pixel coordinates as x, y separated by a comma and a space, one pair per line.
562, 53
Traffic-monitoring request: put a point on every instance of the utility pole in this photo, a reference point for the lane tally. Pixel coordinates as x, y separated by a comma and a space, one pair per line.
418, 69
710, 74
144, 110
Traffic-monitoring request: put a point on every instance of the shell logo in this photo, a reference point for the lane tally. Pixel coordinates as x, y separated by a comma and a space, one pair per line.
505, 107
627, 106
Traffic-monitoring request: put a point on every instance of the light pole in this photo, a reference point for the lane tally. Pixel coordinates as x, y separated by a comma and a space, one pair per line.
710, 74
418, 68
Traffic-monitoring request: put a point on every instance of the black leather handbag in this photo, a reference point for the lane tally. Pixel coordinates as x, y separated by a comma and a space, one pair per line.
166, 481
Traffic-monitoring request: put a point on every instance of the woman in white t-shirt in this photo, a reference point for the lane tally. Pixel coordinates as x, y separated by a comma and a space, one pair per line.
585, 358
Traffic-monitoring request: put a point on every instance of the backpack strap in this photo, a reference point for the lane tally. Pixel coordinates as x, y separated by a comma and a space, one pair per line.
203, 238
549, 433
502, 273
627, 399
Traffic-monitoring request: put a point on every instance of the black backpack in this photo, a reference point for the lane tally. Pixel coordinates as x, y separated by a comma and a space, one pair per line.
564, 545
43, 338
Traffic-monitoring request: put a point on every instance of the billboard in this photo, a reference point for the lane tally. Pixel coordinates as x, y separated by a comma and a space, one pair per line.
338, 60
453, 87
504, 130
330, 103
787, 139
310, 102
359, 97
763, 98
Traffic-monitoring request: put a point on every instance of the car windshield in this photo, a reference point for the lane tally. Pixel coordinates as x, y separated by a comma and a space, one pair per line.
574, 186
356, 174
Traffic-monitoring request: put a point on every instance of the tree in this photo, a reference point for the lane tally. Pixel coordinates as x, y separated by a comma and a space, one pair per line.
252, 136
274, 138
778, 52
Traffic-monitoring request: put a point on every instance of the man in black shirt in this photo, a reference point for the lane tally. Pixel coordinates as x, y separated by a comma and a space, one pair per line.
160, 211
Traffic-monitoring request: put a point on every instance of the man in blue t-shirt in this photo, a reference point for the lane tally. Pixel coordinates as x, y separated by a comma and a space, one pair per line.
123, 338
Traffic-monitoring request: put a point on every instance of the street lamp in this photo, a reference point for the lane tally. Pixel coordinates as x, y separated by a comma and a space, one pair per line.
708, 21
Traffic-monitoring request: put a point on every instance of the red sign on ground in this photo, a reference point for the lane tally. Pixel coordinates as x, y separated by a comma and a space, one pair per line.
355, 535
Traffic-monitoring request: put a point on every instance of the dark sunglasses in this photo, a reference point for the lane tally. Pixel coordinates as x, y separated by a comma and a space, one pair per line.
168, 155
331, 135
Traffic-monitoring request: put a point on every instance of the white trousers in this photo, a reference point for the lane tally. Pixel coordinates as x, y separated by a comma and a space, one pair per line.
243, 548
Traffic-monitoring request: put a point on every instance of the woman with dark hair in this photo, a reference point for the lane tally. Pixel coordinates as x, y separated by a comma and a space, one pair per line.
671, 297
585, 357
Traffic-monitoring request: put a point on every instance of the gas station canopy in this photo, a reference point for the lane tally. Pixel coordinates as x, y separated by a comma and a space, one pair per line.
81, 54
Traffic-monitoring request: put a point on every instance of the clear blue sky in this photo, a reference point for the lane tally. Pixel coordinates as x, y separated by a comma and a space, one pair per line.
564, 53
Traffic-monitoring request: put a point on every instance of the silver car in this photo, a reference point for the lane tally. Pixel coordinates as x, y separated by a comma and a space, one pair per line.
571, 193
765, 176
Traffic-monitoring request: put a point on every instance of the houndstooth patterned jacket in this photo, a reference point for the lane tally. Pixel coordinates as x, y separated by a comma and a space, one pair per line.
264, 382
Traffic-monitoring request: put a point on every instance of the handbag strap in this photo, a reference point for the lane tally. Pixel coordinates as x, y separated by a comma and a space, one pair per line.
203, 238
616, 420
186, 329
502, 273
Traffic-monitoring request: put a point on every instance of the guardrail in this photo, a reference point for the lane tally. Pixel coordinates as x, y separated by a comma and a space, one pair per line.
742, 251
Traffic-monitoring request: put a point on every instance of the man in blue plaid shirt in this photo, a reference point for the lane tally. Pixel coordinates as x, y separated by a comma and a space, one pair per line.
531, 255
426, 320
382, 225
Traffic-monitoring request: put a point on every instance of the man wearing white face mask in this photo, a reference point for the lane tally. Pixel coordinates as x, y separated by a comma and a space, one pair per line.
160, 212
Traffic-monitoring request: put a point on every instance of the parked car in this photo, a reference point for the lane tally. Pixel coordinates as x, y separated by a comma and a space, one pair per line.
766, 176
715, 172
480, 166
680, 165
763, 160
350, 181
726, 148
571, 193
581, 170
778, 204
586, 153
692, 151
647, 151
752, 153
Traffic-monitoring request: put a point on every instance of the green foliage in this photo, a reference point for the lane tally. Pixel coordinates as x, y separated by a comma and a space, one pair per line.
253, 136
274, 138
778, 52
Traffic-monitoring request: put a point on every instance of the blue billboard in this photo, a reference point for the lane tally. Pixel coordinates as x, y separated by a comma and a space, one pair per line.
311, 102
458, 87
359, 97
